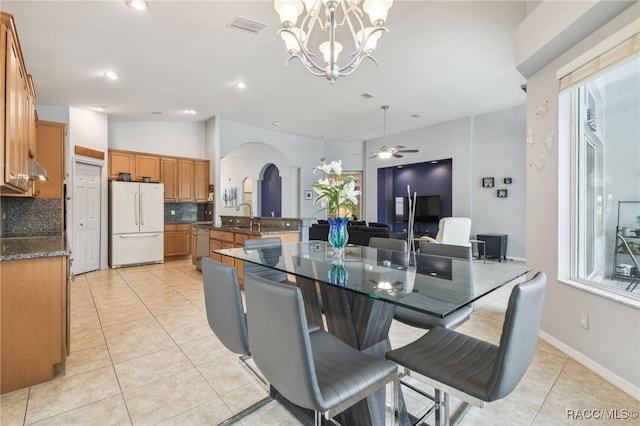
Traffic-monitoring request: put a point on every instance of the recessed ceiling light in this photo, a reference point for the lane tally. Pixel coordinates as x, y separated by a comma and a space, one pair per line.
434, 162
416, 115
241, 85
157, 113
99, 108
137, 4
190, 111
275, 123
111, 75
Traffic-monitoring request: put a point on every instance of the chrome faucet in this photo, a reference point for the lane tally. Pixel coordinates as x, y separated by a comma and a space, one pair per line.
245, 204
250, 212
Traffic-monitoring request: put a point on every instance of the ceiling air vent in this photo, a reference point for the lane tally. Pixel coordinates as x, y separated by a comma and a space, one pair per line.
367, 95
246, 25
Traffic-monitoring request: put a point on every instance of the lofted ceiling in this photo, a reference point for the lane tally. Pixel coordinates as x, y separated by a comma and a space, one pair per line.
441, 60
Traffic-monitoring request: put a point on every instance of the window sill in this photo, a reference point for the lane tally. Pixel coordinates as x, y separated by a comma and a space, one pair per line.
615, 296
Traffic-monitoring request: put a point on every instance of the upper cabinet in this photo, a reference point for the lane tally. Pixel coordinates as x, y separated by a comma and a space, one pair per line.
169, 176
18, 113
147, 166
186, 180
138, 165
120, 162
50, 154
202, 181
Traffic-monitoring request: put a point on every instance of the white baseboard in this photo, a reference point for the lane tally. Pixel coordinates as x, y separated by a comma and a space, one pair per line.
601, 371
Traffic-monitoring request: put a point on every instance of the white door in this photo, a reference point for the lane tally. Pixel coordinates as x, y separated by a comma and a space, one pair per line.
86, 218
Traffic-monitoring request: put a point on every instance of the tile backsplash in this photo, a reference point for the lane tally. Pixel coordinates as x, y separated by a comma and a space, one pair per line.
30, 216
187, 212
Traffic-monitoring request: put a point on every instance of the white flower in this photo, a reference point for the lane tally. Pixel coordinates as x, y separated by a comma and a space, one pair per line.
324, 168
333, 193
349, 193
337, 167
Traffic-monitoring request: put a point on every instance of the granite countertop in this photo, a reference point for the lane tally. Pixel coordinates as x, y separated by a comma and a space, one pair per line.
264, 230
33, 246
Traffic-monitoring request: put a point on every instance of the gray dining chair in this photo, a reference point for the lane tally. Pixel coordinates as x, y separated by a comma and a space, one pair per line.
388, 244
226, 316
316, 371
390, 249
473, 369
426, 321
271, 254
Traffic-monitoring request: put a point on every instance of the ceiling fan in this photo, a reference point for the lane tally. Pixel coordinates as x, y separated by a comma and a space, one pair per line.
393, 151
387, 152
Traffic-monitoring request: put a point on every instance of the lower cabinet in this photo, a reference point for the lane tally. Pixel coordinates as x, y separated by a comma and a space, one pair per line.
194, 241
219, 239
34, 320
177, 239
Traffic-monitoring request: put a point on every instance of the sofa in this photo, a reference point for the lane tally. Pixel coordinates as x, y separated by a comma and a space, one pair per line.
359, 232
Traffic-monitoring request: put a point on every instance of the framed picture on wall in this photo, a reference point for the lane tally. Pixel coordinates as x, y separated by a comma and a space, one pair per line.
507, 181
308, 195
487, 182
502, 193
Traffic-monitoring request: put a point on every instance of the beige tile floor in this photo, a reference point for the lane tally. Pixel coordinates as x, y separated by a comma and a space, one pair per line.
142, 353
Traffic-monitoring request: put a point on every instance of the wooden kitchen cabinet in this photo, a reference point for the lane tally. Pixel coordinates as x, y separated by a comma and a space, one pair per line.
146, 166
31, 118
201, 181
176, 239
50, 154
169, 176
34, 321
121, 162
186, 182
17, 111
222, 239
194, 242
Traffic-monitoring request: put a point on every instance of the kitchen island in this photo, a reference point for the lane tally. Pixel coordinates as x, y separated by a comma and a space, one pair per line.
235, 230
34, 270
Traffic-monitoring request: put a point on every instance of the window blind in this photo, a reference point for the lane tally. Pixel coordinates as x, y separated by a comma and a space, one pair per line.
622, 51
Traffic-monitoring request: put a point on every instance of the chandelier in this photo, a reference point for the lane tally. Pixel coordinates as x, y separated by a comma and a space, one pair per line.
329, 16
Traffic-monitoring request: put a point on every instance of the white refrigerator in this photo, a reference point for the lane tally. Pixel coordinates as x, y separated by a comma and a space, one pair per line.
136, 223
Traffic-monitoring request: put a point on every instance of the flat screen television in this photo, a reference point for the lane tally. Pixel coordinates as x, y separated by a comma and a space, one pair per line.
427, 209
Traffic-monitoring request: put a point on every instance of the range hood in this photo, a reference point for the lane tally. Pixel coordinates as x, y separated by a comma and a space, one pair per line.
36, 171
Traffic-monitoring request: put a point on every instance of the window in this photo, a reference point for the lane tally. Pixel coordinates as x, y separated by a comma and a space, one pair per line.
606, 165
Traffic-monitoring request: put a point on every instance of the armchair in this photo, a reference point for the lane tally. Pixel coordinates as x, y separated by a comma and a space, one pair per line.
452, 230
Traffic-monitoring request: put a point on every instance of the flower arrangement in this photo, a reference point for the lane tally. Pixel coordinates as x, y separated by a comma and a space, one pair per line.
335, 194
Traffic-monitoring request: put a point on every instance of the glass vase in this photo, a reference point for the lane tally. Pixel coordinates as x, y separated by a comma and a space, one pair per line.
338, 275
338, 236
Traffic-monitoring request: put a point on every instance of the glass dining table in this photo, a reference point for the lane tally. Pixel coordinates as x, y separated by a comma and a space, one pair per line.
355, 297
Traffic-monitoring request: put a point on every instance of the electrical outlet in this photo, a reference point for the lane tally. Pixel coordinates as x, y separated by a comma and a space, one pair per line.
584, 321
173, 212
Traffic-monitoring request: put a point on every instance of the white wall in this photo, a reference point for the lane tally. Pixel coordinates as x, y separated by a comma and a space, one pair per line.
488, 145
499, 152
180, 139
445, 140
611, 346
297, 155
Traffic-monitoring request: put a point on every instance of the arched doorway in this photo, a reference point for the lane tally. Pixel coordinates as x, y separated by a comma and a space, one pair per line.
271, 192
247, 196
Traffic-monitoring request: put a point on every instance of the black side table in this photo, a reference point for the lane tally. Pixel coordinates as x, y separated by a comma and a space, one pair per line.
495, 245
